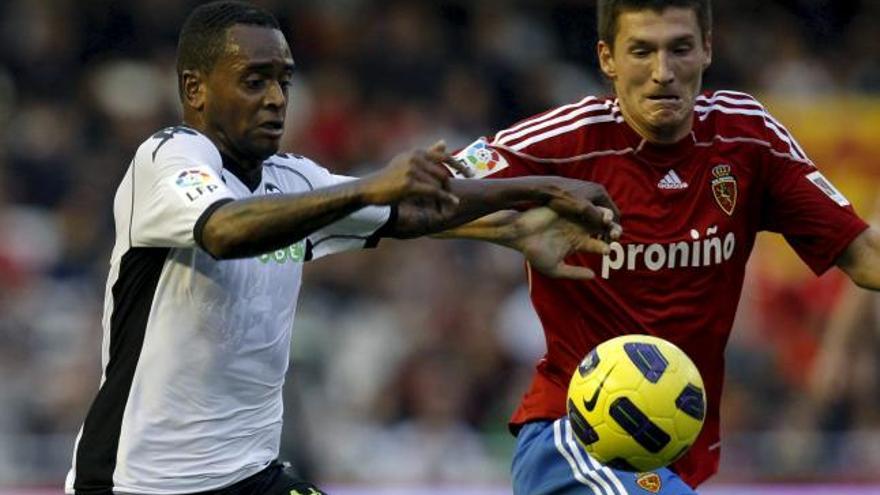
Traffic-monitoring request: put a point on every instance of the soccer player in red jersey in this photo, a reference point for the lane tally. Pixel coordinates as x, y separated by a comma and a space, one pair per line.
696, 176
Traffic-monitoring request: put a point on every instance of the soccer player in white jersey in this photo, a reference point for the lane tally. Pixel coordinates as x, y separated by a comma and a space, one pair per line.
212, 227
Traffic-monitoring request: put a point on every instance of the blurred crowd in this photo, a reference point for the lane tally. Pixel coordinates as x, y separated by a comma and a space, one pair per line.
407, 359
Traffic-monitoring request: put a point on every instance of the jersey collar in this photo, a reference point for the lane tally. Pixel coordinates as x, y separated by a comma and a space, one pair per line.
251, 178
659, 154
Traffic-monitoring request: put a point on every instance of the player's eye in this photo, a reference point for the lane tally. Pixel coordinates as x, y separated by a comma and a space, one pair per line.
254, 83
683, 49
640, 52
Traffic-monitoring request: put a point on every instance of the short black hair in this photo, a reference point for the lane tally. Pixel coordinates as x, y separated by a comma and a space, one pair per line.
203, 36
610, 10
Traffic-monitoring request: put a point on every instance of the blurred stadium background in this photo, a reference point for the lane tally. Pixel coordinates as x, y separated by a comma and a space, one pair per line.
408, 359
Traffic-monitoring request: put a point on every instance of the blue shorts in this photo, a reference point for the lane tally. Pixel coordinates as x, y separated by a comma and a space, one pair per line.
548, 461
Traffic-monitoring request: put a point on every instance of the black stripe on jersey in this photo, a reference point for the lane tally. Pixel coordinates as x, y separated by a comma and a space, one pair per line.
370, 241
360, 237
310, 247
289, 169
133, 292
386, 230
309, 253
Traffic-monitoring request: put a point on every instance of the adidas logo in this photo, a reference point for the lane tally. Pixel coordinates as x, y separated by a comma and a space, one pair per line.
671, 181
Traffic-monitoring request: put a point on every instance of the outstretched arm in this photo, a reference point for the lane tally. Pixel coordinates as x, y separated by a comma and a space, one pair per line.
253, 226
543, 236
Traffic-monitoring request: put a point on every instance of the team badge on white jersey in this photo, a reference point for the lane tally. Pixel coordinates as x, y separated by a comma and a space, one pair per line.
724, 188
672, 181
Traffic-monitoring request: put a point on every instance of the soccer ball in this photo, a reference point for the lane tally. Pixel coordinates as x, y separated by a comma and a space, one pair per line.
636, 403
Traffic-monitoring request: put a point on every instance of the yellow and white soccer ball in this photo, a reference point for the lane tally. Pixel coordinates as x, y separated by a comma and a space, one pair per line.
636, 402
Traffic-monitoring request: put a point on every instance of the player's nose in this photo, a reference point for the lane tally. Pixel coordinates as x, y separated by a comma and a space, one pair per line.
662, 72
274, 96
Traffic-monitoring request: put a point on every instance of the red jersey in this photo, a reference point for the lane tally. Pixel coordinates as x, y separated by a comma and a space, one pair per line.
690, 213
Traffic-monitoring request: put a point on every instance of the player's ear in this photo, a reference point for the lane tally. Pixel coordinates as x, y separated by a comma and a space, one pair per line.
606, 60
707, 48
192, 83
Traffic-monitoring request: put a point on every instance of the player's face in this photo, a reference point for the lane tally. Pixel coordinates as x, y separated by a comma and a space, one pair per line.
656, 66
246, 92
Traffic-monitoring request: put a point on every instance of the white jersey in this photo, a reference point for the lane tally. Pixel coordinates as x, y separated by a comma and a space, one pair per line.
195, 350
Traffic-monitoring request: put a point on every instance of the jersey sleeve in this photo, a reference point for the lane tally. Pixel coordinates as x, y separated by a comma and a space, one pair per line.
356, 231
816, 219
175, 182
537, 144
488, 160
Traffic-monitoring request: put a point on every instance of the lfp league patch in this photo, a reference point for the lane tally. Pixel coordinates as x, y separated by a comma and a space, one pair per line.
481, 159
828, 188
193, 183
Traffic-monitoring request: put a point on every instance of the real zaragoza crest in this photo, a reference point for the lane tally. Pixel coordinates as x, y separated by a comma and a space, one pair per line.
724, 188
649, 482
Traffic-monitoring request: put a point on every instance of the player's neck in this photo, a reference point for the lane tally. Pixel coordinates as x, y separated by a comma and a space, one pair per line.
250, 177
248, 170
224, 145
242, 162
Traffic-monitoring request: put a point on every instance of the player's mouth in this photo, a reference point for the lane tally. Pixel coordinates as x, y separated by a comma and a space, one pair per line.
664, 98
274, 128
664, 102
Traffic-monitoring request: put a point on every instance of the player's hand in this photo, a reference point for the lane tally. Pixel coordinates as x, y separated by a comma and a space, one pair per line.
545, 239
415, 174
586, 203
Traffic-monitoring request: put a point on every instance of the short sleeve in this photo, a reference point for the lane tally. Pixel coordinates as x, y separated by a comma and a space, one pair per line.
537, 144
816, 219
356, 231
488, 160
175, 180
